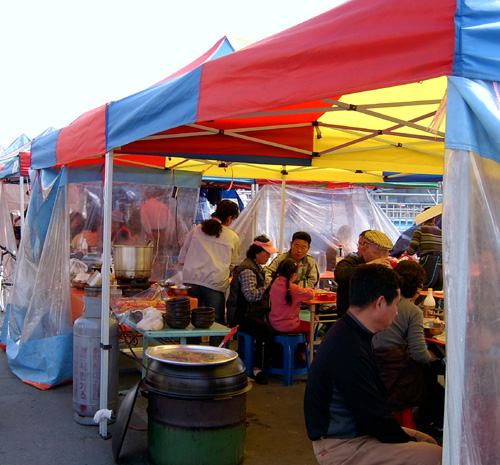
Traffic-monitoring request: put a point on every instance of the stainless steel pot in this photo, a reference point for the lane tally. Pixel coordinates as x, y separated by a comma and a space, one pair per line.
133, 261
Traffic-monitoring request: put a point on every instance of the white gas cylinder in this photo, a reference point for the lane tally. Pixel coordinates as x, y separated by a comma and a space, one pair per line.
87, 362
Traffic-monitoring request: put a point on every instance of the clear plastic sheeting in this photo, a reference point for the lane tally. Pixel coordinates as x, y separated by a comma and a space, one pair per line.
7, 238
160, 214
8, 242
12, 195
332, 217
40, 330
472, 295
40, 338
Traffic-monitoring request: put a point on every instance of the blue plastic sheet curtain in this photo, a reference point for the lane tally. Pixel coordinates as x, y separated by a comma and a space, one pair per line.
40, 329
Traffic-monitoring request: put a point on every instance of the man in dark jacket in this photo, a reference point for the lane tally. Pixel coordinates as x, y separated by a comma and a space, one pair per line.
346, 411
374, 248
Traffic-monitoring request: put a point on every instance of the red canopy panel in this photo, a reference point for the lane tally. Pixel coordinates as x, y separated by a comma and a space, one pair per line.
287, 132
87, 134
377, 43
263, 143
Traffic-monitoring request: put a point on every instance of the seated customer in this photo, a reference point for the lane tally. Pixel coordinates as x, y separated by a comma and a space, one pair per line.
345, 405
373, 247
88, 237
248, 303
308, 271
403, 357
286, 298
90, 234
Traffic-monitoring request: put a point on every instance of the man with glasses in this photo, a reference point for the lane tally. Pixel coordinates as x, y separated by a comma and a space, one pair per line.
308, 271
374, 248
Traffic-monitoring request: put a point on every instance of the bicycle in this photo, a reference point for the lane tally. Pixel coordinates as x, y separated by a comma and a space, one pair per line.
4, 283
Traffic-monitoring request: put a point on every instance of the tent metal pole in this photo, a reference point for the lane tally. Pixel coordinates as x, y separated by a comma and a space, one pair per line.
106, 272
255, 223
283, 199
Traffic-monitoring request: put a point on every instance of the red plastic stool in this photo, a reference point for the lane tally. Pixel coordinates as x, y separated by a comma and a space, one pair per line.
405, 418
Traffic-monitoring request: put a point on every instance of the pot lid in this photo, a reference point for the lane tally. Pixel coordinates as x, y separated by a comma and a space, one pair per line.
191, 354
123, 419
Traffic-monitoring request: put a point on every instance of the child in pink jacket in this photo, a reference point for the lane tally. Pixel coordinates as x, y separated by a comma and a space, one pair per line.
286, 298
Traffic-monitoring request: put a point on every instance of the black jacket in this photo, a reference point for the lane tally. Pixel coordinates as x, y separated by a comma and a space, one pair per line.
345, 394
343, 273
237, 305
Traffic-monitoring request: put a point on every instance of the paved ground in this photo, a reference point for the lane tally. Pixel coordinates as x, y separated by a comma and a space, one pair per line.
37, 427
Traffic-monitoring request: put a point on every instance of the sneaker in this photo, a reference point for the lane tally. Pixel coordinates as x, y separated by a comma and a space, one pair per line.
260, 378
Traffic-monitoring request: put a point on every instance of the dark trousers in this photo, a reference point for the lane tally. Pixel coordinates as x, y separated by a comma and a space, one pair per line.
263, 334
432, 410
210, 298
433, 266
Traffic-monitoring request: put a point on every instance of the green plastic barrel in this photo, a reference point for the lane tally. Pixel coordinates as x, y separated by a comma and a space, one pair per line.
196, 415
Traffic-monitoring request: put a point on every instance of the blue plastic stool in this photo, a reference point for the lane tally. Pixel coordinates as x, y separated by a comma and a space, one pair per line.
290, 342
246, 350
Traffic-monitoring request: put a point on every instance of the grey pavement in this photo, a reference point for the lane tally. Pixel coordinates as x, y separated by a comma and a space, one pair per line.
38, 427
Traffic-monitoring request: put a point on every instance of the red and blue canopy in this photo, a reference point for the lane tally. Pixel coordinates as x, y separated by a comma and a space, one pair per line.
357, 89
361, 89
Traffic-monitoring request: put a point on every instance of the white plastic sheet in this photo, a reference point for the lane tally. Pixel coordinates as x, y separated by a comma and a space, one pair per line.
472, 294
332, 217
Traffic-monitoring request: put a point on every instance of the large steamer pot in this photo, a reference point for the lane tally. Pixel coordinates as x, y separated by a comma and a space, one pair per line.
132, 261
196, 412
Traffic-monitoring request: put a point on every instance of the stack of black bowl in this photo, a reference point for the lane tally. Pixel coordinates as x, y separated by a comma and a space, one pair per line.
178, 312
203, 317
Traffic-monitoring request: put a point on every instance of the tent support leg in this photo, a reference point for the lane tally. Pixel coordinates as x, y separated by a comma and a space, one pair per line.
106, 275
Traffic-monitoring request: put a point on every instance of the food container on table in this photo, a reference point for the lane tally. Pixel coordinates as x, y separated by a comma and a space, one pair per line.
95, 279
179, 291
326, 296
432, 328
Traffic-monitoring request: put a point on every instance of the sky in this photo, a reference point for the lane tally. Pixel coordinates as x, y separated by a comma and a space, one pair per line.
61, 58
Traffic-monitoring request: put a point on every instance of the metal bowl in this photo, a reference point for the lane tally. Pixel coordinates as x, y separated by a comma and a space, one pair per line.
433, 329
179, 291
